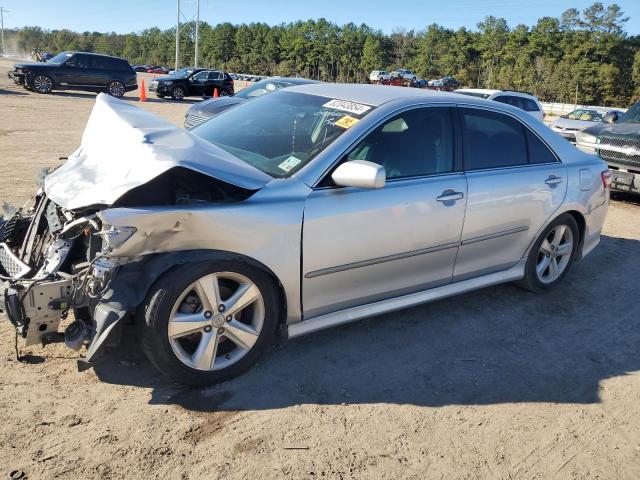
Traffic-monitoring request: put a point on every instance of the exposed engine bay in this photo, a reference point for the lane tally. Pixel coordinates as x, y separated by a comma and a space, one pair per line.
47, 258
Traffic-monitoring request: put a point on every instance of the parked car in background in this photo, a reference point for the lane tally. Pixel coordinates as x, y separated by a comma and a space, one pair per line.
202, 111
524, 101
84, 71
158, 70
193, 82
268, 218
580, 119
404, 74
446, 83
617, 141
379, 76
140, 68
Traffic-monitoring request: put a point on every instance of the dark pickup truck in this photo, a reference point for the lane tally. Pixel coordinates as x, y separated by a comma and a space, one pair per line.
617, 141
77, 71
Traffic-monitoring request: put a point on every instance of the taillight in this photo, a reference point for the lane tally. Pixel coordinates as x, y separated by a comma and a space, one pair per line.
606, 179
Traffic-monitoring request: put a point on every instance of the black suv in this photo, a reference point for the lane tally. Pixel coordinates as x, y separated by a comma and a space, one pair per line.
617, 141
77, 71
186, 82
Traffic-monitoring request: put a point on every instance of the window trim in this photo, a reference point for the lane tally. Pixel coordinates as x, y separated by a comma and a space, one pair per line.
457, 145
524, 126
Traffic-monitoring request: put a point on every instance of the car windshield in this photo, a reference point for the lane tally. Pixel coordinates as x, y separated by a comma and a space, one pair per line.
183, 72
630, 116
474, 94
60, 58
280, 133
262, 87
585, 115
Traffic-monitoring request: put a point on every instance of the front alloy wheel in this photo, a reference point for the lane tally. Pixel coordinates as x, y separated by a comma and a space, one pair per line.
178, 93
216, 321
42, 84
209, 321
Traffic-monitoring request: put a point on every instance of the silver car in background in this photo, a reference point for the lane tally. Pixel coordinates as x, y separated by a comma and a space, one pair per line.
580, 119
324, 204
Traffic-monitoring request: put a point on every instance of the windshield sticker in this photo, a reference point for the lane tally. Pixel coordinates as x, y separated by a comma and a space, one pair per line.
289, 163
347, 122
349, 107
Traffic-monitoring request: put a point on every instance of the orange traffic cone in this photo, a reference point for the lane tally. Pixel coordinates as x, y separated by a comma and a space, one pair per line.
215, 93
143, 92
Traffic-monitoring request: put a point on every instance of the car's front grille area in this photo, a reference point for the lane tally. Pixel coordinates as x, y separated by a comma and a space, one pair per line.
619, 156
191, 120
11, 265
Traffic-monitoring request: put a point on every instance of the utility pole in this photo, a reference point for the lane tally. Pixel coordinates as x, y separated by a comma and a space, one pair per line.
197, 30
178, 35
2, 12
576, 103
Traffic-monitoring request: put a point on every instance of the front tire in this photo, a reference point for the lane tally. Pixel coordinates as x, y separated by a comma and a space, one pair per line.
41, 84
552, 255
205, 323
178, 93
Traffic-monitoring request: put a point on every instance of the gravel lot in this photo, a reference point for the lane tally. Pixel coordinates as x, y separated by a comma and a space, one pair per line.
498, 384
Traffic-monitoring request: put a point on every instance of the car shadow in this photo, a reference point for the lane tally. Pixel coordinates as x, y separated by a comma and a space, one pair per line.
497, 345
4, 91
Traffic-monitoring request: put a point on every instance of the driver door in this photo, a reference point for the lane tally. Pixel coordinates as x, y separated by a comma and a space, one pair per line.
197, 83
361, 245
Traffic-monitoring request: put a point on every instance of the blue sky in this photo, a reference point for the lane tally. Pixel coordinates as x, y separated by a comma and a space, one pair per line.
133, 15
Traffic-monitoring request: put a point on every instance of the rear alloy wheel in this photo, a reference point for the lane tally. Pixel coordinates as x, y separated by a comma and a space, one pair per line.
209, 323
42, 84
178, 93
116, 89
225, 93
552, 255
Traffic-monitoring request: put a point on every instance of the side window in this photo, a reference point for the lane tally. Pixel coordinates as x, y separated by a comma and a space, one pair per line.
80, 61
492, 140
214, 76
530, 105
415, 143
538, 151
200, 76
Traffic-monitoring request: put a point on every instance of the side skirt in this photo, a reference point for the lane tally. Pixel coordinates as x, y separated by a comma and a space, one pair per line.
356, 313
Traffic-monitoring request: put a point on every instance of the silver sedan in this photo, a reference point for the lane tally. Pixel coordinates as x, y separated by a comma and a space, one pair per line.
305, 209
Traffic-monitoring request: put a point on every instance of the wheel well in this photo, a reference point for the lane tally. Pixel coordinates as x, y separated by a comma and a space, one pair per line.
140, 276
582, 226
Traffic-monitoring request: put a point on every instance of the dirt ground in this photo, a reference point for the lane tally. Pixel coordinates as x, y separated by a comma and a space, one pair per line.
497, 384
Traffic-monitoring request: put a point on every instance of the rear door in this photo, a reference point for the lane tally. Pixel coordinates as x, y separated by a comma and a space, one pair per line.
214, 80
515, 184
361, 245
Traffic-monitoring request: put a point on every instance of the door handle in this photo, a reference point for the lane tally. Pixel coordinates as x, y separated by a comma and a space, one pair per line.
553, 180
450, 196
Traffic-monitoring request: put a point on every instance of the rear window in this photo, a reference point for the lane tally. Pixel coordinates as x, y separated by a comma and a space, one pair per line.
538, 151
110, 63
530, 105
483, 131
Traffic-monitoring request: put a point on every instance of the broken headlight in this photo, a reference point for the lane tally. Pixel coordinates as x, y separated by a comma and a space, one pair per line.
114, 237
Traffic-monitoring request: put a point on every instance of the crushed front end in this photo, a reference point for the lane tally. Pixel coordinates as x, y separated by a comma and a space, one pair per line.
49, 267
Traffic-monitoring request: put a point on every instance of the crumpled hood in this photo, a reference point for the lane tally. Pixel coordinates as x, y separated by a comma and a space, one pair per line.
124, 146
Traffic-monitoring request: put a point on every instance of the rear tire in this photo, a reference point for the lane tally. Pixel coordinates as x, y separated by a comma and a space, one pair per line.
552, 255
179, 320
116, 89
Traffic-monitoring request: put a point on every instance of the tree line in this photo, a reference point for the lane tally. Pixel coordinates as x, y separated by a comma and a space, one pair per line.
584, 54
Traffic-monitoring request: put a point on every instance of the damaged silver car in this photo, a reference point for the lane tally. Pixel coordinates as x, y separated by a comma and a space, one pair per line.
304, 209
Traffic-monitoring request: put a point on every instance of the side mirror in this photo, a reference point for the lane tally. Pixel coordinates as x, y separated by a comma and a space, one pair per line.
360, 174
611, 117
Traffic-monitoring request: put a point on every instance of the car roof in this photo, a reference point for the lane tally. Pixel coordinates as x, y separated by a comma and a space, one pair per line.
377, 95
73, 52
292, 80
